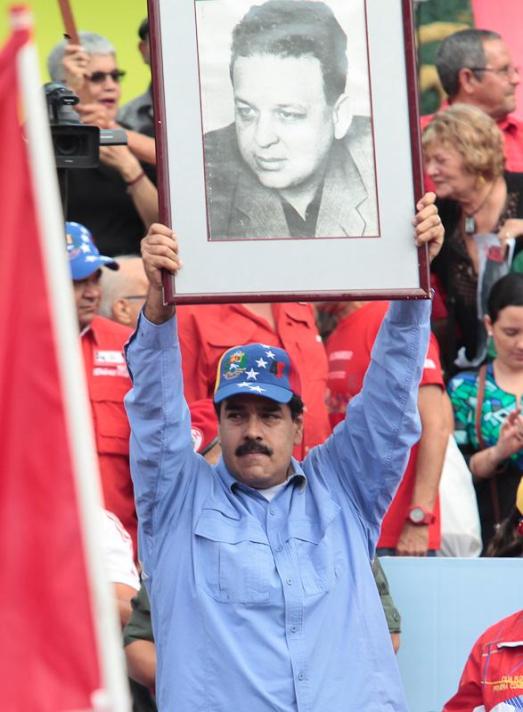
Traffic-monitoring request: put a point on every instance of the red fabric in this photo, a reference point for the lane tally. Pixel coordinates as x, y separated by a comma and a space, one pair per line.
348, 349
204, 424
207, 331
48, 654
493, 672
108, 381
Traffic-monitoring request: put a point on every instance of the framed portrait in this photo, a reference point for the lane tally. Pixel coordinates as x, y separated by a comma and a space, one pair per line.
288, 148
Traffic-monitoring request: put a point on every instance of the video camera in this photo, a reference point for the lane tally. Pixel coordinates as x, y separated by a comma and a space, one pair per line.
75, 144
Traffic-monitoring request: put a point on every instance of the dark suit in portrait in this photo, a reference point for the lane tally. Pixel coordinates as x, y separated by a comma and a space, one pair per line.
240, 207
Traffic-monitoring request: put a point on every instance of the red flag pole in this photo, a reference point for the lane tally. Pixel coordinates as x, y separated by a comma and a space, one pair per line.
44, 255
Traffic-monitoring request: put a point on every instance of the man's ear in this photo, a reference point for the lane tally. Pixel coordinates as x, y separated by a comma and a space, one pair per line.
121, 312
298, 436
467, 81
342, 116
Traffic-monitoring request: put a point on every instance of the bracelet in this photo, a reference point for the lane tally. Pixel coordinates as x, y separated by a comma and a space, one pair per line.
132, 182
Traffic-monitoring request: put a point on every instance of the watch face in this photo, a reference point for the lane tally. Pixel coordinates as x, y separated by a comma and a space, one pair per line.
416, 515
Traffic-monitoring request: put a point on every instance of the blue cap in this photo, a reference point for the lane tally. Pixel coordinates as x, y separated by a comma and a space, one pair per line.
256, 369
84, 257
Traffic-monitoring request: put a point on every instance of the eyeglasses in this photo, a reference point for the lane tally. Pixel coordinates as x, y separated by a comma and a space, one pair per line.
135, 296
506, 72
100, 77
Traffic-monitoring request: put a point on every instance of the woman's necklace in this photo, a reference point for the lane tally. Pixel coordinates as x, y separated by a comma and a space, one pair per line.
470, 221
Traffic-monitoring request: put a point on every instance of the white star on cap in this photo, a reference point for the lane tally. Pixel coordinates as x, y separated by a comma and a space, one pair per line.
251, 375
261, 363
269, 354
85, 248
258, 389
244, 384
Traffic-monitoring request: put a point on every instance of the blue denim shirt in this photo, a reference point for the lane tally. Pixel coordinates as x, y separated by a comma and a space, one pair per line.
261, 606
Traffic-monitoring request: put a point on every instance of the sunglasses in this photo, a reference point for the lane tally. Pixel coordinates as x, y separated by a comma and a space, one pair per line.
100, 77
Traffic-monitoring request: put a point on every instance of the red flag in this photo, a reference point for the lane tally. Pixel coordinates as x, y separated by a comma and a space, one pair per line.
48, 652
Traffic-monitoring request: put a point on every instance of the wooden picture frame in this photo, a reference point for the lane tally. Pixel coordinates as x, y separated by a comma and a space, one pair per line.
281, 183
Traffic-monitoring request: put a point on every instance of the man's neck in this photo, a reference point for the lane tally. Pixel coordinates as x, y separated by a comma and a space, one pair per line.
301, 196
459, 99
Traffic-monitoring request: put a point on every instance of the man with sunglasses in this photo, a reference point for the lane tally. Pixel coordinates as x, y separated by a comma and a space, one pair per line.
475, 67
117, 199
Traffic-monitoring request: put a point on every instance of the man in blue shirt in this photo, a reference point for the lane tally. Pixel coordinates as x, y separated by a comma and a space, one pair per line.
259, 568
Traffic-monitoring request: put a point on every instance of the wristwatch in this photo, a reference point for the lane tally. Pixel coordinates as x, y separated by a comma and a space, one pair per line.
419, 515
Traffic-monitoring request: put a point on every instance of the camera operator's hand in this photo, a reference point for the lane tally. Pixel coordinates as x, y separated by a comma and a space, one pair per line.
121, 158
95, 115
75, 63
142, 191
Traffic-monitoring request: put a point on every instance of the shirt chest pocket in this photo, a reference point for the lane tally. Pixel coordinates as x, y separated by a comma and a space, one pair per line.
317, 549
110, 420
234, 563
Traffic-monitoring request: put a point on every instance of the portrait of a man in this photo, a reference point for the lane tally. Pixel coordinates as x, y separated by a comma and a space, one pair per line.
294, 162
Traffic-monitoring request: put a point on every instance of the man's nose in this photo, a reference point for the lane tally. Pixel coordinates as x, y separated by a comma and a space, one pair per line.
253, 429
265, 134
91, 291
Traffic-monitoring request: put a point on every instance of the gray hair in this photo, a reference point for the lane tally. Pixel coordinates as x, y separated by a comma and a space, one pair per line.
114, 284
90, 41
462, 49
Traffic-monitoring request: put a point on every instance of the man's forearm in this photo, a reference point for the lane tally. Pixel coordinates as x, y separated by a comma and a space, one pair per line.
143, 147
145, 198
432, 446
155, 309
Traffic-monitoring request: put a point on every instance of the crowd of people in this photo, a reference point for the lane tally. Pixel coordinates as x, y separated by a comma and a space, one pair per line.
254, 519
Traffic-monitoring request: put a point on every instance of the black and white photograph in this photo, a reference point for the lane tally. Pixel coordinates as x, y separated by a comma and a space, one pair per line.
287, 119
288, 148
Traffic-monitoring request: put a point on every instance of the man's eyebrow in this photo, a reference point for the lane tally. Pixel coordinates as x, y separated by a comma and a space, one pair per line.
302, 107
233, 406
271, 407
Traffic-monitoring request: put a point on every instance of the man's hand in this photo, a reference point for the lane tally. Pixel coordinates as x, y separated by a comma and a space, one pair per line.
413, 541
75, 63
121, 159
95, 115
429, 230
159, 252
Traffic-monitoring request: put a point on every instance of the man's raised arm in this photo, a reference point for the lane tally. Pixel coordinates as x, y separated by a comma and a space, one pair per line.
370, 449
161, 452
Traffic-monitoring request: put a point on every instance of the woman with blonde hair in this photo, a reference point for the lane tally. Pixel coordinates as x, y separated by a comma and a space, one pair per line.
463, 150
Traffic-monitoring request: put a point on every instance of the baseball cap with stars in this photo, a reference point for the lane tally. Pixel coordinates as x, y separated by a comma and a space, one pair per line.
256, 369
84, 256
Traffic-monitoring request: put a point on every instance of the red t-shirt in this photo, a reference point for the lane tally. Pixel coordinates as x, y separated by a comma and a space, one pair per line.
107, 382
348, 349
207, 331
493, 673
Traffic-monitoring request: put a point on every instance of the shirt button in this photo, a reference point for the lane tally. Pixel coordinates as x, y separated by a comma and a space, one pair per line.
289, 581
301, 676
272, 512
278, 549
293, 629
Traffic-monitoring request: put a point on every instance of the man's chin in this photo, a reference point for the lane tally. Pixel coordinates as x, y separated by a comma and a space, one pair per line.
273, 180
252, 468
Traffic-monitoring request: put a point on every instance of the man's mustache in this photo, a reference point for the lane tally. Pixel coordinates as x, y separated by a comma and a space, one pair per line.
252, 446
